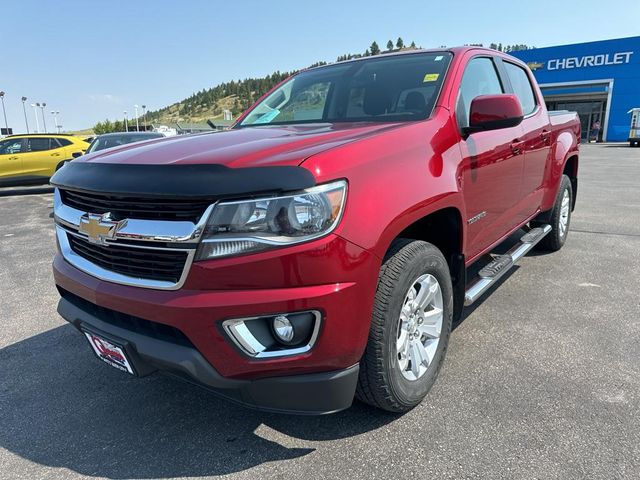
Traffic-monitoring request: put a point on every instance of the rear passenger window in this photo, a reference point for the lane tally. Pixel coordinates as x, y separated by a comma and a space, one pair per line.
480, 78
38, 144
63, 142
521, 87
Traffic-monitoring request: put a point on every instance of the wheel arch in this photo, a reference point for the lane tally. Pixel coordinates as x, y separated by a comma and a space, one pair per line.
571, 170
444, 229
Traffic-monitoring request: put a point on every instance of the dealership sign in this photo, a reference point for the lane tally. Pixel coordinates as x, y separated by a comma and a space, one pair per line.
604, 59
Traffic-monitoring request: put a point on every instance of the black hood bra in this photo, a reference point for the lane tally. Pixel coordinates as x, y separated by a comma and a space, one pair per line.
180, 180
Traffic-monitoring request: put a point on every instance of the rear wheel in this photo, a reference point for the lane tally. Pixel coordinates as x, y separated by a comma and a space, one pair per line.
60, 165
410, 327
560, 217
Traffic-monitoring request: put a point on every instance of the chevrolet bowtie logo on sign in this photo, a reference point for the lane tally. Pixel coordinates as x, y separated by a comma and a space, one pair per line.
99, 227
535, 65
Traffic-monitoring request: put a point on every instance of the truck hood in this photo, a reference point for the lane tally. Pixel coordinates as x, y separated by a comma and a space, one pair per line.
244, 147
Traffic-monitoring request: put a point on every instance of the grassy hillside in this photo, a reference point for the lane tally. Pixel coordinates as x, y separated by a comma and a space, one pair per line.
238, 95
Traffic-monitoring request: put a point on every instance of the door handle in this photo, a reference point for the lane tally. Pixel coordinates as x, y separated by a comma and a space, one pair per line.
55, 154
14, 158
516, 146
545, 136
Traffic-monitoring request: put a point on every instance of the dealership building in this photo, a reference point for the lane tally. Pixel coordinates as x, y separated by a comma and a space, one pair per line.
599, 80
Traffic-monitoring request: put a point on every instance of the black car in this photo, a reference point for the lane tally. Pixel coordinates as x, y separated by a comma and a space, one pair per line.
109, 140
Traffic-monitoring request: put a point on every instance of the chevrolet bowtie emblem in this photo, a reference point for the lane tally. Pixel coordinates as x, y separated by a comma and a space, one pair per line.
99, 227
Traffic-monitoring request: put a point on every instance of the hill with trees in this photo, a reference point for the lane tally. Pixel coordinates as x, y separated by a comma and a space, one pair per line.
237, 95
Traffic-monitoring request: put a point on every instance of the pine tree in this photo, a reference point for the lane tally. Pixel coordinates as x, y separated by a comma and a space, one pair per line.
413, 45
389, 45
399, 43
374, 49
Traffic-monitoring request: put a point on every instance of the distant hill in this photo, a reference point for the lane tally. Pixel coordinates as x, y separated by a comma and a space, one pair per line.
237, 95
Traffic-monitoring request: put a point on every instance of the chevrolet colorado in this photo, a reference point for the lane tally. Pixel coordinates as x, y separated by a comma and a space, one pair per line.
323, 247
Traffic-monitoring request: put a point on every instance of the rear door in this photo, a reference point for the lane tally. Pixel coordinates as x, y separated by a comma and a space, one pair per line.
536, 136
42, 156
10, 158
491, 173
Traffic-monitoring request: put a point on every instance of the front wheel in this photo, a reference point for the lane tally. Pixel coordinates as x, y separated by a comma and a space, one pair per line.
410, 327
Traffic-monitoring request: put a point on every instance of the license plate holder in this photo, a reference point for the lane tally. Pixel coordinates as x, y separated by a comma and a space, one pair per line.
110, 352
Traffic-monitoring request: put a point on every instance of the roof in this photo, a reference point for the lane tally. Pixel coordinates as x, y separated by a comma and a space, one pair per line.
454, 50
41, 135
128, 134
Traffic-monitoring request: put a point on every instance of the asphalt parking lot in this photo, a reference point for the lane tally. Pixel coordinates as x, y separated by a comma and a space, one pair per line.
542, 378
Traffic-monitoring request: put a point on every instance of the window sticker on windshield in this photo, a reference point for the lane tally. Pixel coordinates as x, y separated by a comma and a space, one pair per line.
430, 77
438, 58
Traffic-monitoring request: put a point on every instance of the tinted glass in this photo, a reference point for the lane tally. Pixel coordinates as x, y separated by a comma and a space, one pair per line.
63, 142
38, 144
521, 87
382, 89
8, 147
110, 141
480, 78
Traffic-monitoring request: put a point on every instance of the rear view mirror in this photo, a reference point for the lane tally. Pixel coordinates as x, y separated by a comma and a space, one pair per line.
492, 112
76, 154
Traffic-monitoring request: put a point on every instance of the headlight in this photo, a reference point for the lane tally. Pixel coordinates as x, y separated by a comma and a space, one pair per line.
252, 225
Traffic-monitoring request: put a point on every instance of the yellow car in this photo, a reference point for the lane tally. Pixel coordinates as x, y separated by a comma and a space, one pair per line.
32, 159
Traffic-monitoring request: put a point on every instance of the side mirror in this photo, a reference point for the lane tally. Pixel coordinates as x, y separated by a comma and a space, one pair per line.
76, 154
491, 112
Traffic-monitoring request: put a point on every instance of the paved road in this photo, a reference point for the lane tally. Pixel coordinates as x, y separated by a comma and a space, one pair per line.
542, 378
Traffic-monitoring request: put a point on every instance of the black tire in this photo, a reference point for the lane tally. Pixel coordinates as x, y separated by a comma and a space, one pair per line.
60, 165
381, 382
555, 240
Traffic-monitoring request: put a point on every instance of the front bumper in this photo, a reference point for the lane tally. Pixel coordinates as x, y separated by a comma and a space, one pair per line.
312, 394
331, 276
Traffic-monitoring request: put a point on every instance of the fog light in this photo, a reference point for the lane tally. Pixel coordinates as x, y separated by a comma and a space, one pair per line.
283, 329
277, 335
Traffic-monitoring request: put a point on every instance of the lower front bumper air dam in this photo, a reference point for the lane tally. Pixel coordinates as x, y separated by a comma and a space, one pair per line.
307, 394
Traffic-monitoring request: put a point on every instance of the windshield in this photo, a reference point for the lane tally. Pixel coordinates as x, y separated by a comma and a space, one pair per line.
392, 89
100, 143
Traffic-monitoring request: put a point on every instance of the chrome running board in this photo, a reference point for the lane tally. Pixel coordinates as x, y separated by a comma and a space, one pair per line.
494, 270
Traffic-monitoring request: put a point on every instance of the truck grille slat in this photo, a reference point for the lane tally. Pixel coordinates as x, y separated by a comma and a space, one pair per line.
140, 208
165, 265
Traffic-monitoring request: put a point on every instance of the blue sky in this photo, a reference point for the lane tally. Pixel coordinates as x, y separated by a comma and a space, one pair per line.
92, 60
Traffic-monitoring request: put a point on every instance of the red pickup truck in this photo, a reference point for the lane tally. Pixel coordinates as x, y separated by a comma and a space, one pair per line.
323, 247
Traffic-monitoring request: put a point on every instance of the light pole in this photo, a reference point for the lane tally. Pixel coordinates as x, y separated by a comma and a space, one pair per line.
35, 114
137, 123
55, 120
126, 122
44, 122
4, 113
144, 116
24, 110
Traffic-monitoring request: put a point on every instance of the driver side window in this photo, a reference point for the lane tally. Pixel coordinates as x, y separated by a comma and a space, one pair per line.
480, 78
10, 147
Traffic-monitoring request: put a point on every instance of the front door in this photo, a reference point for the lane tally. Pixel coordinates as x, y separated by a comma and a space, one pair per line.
492, 163
10, 159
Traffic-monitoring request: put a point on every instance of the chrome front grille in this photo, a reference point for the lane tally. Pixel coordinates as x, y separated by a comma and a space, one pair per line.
140, 252
154, 264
